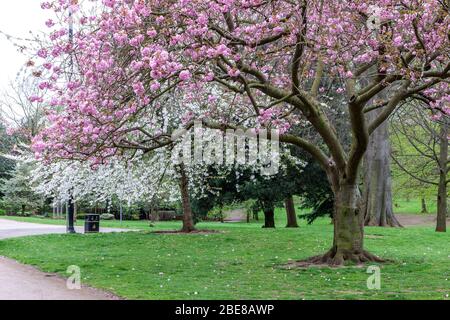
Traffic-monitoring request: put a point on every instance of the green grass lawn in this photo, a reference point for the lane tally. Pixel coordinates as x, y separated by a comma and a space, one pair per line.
242, 262
413, 206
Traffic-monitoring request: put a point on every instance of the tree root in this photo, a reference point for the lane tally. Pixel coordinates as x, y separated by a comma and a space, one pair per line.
337, 258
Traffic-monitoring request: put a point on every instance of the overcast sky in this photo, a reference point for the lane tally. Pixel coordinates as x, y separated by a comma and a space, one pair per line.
17, 18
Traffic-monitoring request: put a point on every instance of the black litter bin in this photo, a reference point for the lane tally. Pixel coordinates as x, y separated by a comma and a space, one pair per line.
92, 223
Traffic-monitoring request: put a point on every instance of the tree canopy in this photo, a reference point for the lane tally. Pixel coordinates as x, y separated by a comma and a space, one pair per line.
240, 64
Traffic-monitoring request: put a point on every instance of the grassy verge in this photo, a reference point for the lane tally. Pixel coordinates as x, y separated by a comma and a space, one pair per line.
242, 262
413, 206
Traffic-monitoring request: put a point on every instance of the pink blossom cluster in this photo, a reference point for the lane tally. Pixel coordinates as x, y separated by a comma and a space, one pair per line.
132, 54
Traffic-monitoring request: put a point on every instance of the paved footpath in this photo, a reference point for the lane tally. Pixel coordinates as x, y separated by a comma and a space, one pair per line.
21, 282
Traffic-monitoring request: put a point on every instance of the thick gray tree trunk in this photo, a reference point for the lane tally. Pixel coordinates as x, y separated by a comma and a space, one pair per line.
441, 223
348, 244
377, 196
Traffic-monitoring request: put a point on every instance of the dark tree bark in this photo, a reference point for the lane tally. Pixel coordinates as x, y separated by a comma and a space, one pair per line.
424, 206
269, 218
442, 189
290, 212
70, 205
188, 221
377, 196
441, 223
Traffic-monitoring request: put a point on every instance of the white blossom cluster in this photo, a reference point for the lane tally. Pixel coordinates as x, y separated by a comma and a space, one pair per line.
142, 178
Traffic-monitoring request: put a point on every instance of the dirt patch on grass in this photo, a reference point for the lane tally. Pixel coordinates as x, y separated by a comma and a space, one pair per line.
411, 220
373, 236
236, 215
304, 264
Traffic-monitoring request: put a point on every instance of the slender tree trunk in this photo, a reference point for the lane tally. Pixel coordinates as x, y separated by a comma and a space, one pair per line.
269, 217
290, 211
70, 215
188, 221
377, 196
441, 223
23, 210
348, 241
424, 206
442, 192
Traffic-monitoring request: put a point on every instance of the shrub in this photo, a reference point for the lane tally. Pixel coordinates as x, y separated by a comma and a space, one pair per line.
107, 216
135, 217
81, 216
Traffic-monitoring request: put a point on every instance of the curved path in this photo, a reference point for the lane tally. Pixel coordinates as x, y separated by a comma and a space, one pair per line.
21, 282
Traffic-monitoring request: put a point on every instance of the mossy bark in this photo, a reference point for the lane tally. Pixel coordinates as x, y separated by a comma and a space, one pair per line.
348, 242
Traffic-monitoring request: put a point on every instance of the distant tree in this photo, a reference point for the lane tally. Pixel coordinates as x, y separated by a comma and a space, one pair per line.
23, 115
377, 202
6, 145
421, 151
267, 192
315, 192
20, 121
18, 193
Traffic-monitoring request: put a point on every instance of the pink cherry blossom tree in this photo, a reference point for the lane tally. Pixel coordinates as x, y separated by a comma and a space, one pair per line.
242, 64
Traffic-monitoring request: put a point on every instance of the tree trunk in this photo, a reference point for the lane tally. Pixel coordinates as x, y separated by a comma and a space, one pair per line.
269, 217
348, 242
290, 211
70, 215
441, 223
188, 221
424, 206
442, 191
377, 204
23, 210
